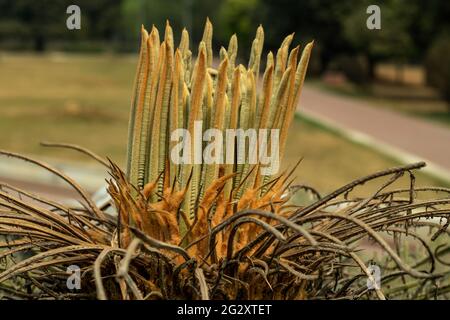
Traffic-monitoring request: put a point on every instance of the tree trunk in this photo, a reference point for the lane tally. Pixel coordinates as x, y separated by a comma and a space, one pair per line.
39, 43
371, 63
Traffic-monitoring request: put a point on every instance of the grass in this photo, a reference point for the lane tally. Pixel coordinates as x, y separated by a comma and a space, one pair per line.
330, 161
84, 99
78, 99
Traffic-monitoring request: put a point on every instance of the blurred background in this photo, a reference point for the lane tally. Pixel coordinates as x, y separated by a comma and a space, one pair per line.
373, 98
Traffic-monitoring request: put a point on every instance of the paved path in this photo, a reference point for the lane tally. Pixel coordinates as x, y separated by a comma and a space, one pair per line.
45, 190
34, 179
409, 137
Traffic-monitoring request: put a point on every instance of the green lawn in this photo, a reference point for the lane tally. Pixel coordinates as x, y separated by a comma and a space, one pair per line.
85, 100
77, 99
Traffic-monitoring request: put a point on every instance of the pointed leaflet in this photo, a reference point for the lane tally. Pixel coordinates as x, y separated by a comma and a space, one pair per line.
167, 80
176, 108
255, 56
233, 123
207, 39
154, 172
138, 106
198, 83
136, 88
265, 95
219, 115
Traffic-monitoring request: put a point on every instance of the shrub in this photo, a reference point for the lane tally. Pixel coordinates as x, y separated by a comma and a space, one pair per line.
355, 68
437, 66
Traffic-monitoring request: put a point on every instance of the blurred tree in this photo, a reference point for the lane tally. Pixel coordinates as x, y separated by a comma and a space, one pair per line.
239, 17
149, 12
407, 30
191, 14
339, 27
201, 9
437, 66
318, 20
34, 21
431, 19
392, 42
37, 23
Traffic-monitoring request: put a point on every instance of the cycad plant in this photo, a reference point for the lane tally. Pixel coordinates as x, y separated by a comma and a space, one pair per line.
172, 92
215, 230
